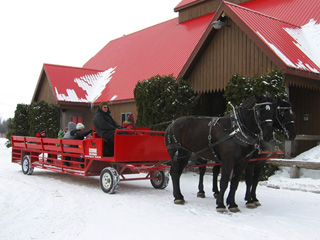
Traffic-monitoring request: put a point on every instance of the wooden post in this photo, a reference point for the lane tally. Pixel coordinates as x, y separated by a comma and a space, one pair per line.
294, 171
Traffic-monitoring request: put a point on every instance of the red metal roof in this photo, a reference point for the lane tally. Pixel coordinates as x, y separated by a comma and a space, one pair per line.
72, 84
186, 3
162, 49
167, 48
296, 12
272, 32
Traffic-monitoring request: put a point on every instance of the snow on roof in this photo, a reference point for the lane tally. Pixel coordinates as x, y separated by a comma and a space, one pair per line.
92, 84
277, 51
307, 39
71, 84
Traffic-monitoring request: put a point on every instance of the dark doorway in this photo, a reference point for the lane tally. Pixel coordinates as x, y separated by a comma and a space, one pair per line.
211, 104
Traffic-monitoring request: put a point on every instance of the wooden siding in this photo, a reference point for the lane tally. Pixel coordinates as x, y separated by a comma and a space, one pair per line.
117, 109
202, 8
305, 101
66, 114
231, 51
198, 10
45, 91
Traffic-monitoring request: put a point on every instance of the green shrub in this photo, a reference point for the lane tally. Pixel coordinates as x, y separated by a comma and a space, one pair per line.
162, 99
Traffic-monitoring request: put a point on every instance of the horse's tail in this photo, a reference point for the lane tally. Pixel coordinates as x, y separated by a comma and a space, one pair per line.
168, 135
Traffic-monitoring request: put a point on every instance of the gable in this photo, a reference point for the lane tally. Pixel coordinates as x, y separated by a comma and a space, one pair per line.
271, 35
73, 85
230, 51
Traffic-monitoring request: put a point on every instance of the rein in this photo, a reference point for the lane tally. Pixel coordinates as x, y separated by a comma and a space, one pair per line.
239, 131
283, 125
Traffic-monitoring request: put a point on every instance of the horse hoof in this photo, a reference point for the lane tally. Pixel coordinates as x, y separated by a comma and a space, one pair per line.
234, 209
222, 210
251, 205
257, 203
179, 201
201, 195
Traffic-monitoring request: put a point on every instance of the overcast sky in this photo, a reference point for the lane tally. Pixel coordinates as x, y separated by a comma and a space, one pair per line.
63, 32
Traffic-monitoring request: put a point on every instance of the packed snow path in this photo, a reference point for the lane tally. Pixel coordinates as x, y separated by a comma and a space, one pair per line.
48, 205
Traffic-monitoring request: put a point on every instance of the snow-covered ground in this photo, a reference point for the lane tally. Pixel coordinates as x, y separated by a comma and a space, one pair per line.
48, 205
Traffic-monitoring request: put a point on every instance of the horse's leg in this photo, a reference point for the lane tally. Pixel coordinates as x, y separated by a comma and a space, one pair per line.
225, 175
201, 193
256, 176
237, 171
249, 172
215, 174
176, 169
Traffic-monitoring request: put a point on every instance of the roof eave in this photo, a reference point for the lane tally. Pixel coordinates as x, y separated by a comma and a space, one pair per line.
177, 9
301, 73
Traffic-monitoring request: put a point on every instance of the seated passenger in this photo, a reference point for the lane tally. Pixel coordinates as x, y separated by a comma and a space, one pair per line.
78, 133
67, 135
105, 126
129, 123
41, 133
71, 126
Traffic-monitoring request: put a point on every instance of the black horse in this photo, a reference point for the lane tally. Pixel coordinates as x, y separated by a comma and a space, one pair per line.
231, 139
284, 121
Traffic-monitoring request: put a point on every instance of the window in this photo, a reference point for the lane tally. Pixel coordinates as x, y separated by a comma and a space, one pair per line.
124, 116
77, 119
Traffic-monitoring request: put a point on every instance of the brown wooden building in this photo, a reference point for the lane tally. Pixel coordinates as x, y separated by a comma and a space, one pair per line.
253, 40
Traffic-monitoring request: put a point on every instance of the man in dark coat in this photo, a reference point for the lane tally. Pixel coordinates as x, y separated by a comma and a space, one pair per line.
104, 124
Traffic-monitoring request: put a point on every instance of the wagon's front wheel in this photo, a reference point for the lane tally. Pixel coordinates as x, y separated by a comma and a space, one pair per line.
109, 180
159, 179
26, 165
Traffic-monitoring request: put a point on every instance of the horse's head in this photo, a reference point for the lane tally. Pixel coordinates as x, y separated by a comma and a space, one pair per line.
285, 120
260, 112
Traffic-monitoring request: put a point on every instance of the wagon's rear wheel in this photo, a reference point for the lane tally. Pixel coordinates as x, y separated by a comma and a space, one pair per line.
26, 165
159, 179
109, 180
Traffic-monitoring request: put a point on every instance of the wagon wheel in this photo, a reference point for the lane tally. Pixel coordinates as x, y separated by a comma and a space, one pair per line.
159, 179
26, 165
109, 180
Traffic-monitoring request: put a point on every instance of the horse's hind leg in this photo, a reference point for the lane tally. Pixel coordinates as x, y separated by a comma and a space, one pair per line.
215, 174
201, 193
176, 169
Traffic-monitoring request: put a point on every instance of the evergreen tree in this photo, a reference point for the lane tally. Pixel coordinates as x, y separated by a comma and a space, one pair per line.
240, 88
44, 116
29, 119
20, 121
161, 99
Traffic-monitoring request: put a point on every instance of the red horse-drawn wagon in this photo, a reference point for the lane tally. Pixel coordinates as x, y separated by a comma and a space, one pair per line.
135, 151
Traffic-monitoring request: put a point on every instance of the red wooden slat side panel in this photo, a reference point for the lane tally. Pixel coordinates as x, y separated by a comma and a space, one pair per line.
48, 144
34, 146
140, 146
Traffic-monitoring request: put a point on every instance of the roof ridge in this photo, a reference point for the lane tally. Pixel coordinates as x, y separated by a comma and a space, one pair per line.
260, 13
63, 66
